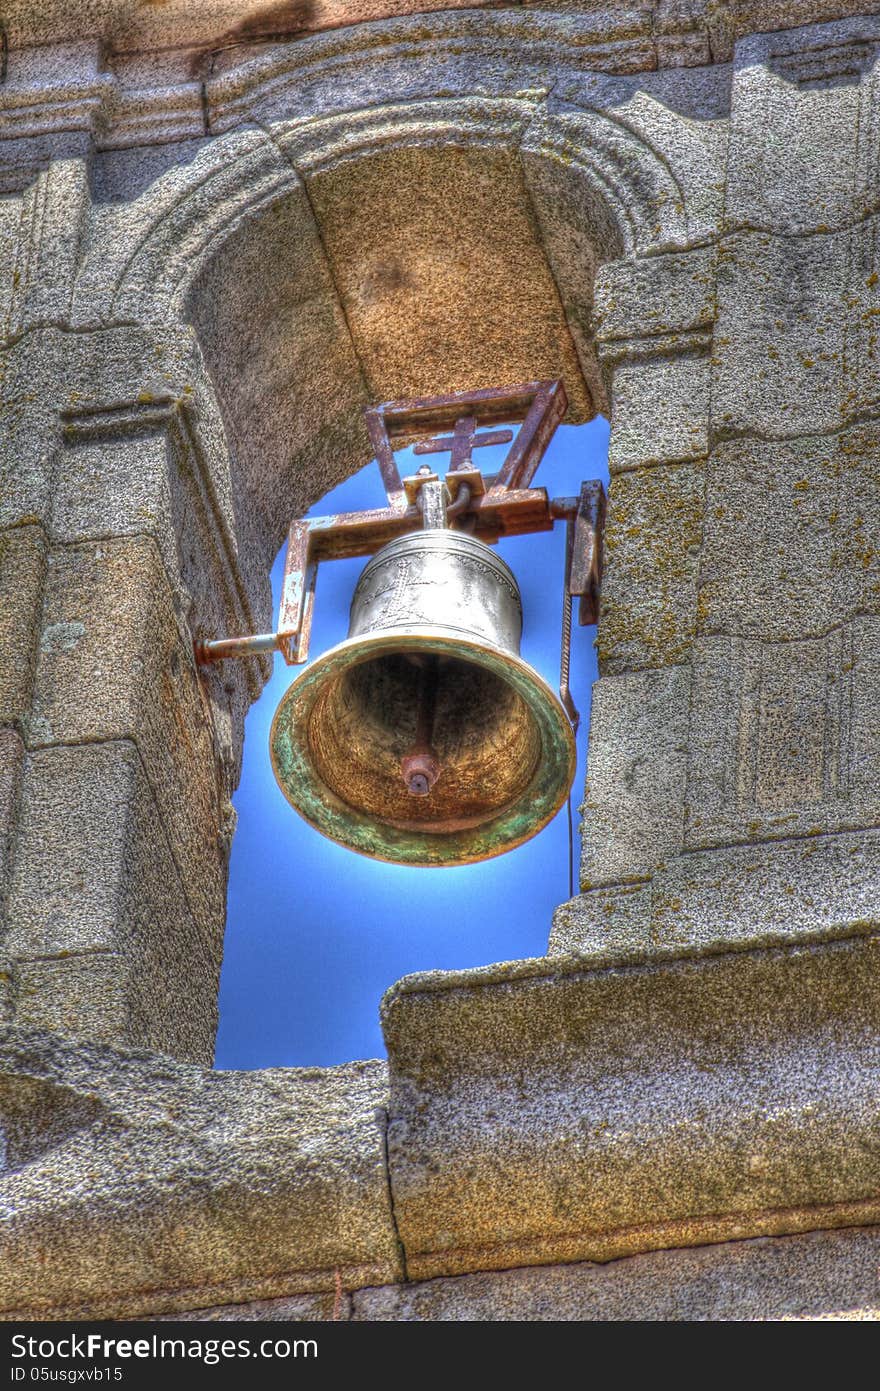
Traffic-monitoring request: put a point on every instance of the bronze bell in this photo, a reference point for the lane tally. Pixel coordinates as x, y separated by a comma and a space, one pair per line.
424, 738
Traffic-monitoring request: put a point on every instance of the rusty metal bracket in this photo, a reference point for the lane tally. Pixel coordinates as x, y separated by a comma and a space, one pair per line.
489, 506
583, 577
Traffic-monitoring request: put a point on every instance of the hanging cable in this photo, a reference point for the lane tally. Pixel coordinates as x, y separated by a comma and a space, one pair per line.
565, 695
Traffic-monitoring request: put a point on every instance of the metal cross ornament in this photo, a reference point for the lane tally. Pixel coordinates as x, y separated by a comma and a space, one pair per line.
463, 439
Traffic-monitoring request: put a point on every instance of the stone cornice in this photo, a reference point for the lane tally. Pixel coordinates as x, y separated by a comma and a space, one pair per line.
123, 100
121, 108
226, 25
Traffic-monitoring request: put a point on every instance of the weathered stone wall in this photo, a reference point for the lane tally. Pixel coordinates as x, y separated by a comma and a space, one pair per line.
215, 250
735, 731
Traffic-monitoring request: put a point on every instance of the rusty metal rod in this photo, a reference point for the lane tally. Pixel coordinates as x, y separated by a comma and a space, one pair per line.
218, 649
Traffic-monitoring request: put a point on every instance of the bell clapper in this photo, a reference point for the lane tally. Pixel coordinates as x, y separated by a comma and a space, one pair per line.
419, 767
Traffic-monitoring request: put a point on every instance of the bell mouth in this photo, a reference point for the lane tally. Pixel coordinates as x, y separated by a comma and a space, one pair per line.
350, 751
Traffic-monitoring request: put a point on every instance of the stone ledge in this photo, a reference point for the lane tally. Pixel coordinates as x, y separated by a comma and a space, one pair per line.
822, 1275
810, 889
556, 1113
183, 1187
541, 1112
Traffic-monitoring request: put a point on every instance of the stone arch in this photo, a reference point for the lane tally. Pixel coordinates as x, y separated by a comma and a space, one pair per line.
144, 269
250, 211
259, 291
141, 264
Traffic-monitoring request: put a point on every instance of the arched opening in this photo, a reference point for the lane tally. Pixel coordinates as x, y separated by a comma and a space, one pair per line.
404, 272
315, 933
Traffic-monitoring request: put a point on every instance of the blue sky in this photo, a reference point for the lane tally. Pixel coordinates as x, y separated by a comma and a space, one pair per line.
316, 934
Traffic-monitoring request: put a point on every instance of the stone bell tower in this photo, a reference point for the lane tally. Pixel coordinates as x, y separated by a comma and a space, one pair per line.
221, 239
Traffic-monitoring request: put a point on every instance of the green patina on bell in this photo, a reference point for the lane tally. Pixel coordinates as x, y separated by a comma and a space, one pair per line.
424, 738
